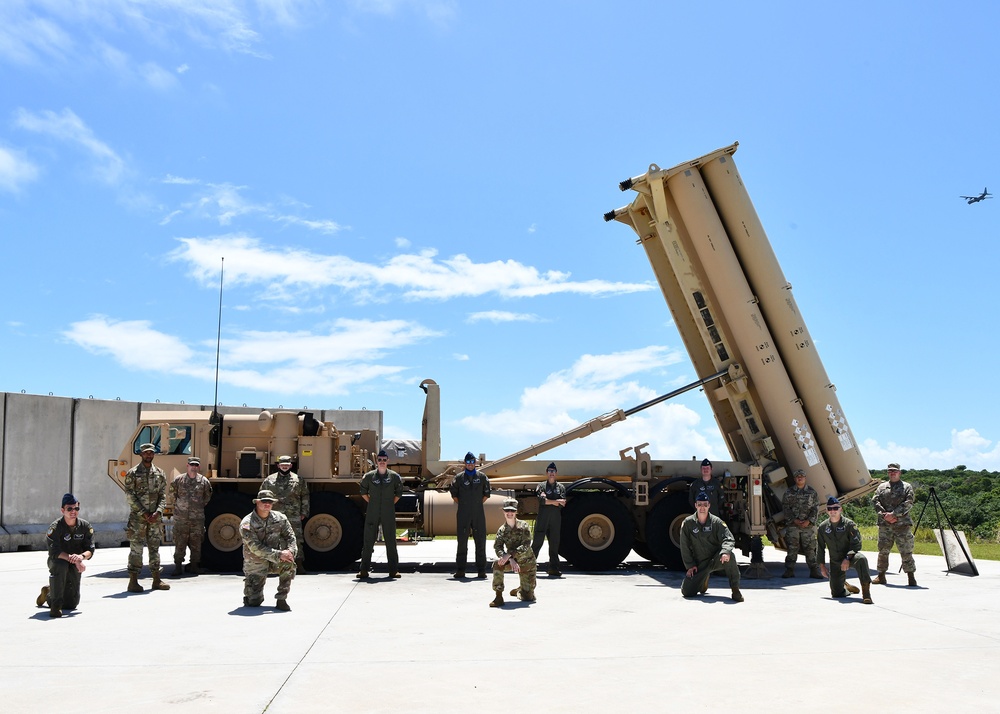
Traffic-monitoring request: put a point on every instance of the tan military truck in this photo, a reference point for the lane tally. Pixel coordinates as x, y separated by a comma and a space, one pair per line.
753, 355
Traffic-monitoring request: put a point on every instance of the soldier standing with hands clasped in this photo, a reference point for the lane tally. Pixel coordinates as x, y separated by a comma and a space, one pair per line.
380, 488
192, 492
551, 500
893, 500
800, 505
293, 500
146, 492
470, 491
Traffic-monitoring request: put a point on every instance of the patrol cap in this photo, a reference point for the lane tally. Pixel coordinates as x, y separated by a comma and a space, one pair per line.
146, 447
832, 502
798, 472
286, 459
510, 504
893, 467
551, 467
266, 496
194, 461
470, 458
702, 495
706, 462
68, 500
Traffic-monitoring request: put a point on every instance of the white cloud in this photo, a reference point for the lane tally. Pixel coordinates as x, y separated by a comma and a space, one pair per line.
182, 69
592, 386
966, 447
460, 357
171, 179
282, 362
323, 226
15, 170
532, 228
156, 77
68, 127
402, 243
420, 276
439, 12
501, 316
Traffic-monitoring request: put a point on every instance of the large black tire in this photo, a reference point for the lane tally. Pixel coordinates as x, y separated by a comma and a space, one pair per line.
222, 550
663, 529
597, 532
333, 533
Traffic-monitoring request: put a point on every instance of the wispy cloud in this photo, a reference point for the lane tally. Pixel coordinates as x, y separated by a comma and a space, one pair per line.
226, 202
967, 447
501, 316
595, 385
440, 12
321, 363
67, 126
420, 276
15, 170
171, 179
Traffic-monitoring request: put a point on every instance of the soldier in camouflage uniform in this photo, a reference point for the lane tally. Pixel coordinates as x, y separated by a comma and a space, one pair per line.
801, 507
893, 500
70, 541
513, 548
380, 488
146, 492
706, 546
551, 500
842, 537
191, 492
268, 547
293, 500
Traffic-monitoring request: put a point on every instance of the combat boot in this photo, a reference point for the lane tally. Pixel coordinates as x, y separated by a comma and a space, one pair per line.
851, 589
737, 596
283, 606
498, 600
526, 597
42, 596
911, 580
514, 592
55, 613
459, 574
865, 593
395, 575
133, 583
178, 569
789, 572
194, 567
814, 572
880, 580
363, 575
157, 583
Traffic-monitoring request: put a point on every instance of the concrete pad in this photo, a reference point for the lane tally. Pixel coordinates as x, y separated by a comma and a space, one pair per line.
621, 641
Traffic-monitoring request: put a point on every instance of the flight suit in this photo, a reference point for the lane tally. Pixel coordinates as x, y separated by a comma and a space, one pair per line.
470, 488
382, 491
549, 521
843, 540
64, 578
702, 545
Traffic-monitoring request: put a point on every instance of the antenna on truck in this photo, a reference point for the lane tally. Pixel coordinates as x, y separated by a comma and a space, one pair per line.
218, 347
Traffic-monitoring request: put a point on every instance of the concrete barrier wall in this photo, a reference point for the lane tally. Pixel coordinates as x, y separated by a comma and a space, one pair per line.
51, 445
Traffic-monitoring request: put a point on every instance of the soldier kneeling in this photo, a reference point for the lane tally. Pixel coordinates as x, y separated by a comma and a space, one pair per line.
842, 537
513, 548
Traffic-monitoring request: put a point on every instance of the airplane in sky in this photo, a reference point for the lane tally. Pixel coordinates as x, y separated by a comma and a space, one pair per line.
976, 199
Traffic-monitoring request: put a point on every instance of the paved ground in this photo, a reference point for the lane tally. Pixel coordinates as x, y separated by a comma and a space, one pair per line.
622, 641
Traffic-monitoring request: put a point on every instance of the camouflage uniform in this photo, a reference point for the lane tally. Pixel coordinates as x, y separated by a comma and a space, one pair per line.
897, 499
702, 545
382, 491
293, 500
549, 521
470, 488
800, 503
263, 541
146, 492
517, 542
191, 495
713, 487
64, 578
843, 539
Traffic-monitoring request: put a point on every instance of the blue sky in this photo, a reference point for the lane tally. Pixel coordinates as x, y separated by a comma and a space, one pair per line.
407, 189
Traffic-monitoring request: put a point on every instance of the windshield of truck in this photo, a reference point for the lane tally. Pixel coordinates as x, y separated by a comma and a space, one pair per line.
178, 438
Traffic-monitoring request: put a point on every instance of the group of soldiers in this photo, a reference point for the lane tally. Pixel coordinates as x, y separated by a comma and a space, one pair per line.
273, 539
892, 501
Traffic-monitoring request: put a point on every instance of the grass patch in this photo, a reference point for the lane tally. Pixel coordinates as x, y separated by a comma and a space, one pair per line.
924, 543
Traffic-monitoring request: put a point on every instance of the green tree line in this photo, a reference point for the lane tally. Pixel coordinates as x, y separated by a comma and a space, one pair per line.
970, 498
